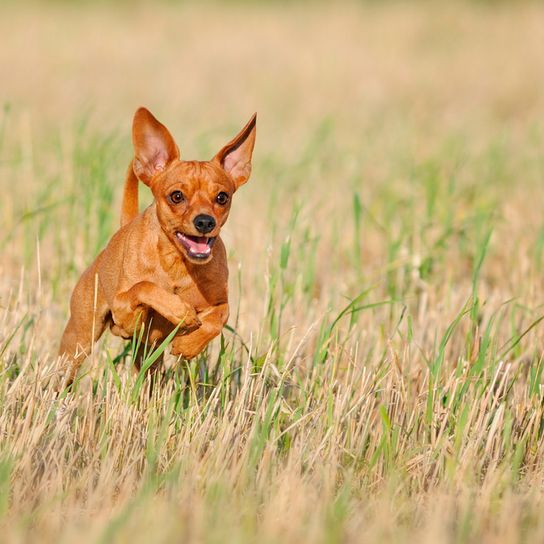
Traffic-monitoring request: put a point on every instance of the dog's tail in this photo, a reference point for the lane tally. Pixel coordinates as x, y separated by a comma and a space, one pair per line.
130, 209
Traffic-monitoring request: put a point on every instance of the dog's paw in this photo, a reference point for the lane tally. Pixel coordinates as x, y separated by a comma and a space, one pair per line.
186, 347
185, 315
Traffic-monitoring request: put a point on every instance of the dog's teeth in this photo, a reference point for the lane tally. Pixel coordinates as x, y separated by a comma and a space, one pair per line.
198, 247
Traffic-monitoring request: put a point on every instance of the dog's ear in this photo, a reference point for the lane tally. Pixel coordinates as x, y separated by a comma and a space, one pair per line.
235, 157
154, 147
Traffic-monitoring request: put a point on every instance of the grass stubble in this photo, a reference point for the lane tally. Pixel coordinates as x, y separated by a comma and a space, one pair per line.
381, 377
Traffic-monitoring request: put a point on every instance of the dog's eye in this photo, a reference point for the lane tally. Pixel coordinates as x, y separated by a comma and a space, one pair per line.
176, 197
222, 198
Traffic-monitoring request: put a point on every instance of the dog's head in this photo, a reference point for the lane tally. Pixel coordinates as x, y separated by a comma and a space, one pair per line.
193, 198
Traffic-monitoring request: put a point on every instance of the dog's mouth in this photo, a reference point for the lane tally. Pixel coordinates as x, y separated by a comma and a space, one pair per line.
197, 247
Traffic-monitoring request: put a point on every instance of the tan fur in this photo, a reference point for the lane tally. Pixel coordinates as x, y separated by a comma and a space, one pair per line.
145, 276
129, 209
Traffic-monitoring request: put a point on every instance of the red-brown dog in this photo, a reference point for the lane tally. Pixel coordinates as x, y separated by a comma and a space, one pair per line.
167, 265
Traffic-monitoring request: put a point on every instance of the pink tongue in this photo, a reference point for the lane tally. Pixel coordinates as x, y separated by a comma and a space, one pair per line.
199, 245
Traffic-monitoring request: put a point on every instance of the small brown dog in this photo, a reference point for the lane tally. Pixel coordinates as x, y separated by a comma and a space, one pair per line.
165, 267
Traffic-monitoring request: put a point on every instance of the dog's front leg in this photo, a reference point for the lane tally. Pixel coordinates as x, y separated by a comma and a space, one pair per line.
213, 320
130, 307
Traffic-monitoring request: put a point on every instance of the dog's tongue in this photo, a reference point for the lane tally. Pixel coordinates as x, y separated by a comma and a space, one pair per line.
198, 244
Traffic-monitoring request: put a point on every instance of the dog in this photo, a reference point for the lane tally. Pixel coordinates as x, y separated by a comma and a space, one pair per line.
166, 267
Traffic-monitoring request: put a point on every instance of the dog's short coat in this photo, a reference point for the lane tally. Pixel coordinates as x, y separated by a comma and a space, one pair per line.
167, 265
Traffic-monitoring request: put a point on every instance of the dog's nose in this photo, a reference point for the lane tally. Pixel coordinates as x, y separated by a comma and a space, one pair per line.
204, 223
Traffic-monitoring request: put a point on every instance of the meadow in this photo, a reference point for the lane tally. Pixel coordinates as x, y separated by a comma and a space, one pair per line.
380, 379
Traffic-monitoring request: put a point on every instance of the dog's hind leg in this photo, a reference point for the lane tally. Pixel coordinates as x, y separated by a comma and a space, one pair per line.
88, 319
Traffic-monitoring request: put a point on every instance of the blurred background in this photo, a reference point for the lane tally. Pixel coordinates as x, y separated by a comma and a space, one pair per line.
371, 101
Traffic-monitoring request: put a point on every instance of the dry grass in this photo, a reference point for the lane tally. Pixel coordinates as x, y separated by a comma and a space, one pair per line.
387, 260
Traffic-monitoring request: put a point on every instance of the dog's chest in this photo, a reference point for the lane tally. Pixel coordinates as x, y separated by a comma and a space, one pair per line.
176, 278
189, 292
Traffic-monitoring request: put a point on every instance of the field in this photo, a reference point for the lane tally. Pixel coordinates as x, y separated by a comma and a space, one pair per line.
381, 376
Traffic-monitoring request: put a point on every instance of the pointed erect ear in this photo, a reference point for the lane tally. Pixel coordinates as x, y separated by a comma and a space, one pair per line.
235, 157
154, 147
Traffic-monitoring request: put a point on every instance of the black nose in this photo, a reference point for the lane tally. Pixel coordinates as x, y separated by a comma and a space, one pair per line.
204, 223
